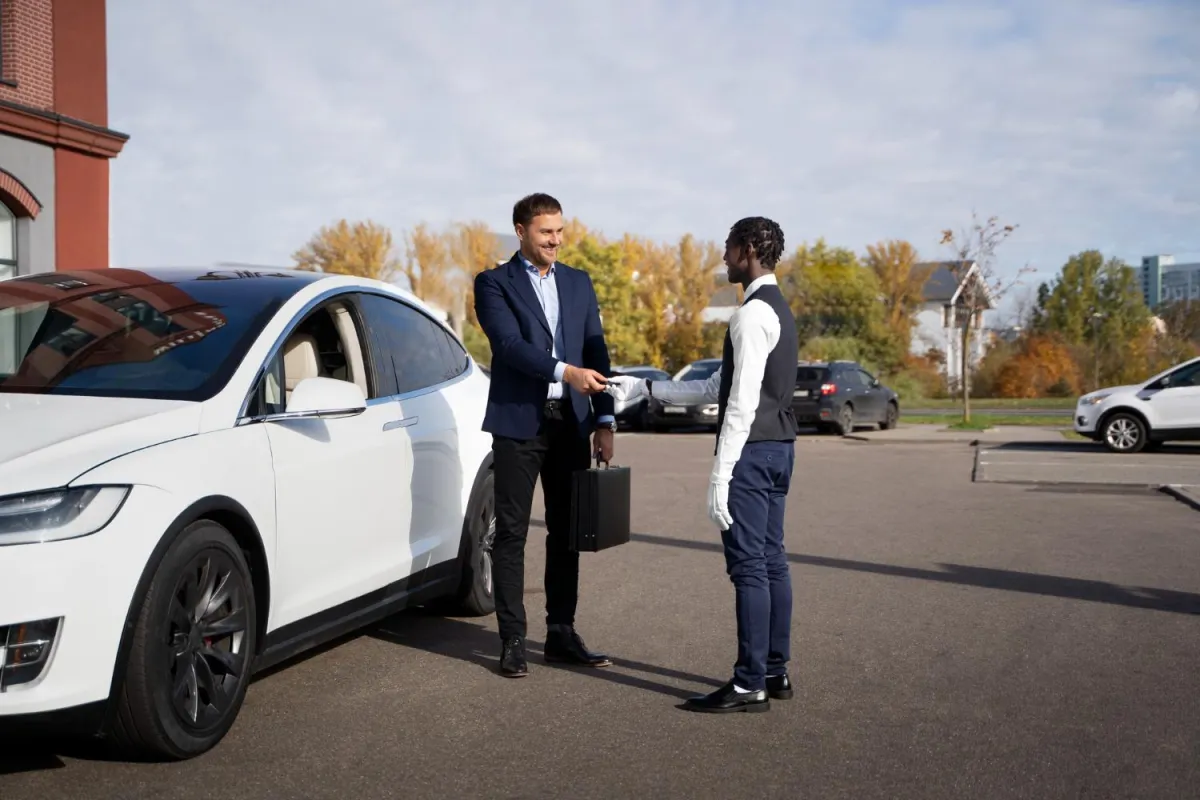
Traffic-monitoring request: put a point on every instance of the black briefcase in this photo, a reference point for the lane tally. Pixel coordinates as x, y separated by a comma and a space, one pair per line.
599, 508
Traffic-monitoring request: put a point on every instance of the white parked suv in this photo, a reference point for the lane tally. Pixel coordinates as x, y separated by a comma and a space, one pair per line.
1129, 419
203, 473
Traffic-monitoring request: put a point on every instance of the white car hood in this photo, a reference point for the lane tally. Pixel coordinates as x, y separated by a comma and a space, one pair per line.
46, 441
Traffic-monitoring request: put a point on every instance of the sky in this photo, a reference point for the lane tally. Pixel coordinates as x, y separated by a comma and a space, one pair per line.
252, 126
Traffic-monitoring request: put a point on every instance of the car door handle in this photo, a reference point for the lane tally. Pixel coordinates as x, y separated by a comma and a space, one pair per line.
407, 422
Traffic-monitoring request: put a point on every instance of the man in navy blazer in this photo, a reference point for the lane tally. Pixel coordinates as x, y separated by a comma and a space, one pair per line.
549, 368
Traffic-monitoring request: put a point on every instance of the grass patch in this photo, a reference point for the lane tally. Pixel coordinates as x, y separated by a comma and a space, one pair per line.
950, 403
974, 425
1074, 437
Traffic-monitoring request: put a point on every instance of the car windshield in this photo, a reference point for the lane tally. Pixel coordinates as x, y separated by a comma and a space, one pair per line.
700, 371
124, 333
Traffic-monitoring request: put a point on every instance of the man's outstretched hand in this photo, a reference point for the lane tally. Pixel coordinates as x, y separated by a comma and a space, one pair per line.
626, 388
584, 381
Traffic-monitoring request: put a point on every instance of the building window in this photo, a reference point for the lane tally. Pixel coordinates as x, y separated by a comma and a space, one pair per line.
8, 242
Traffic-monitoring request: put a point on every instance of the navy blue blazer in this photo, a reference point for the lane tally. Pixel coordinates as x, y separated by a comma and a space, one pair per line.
508, 310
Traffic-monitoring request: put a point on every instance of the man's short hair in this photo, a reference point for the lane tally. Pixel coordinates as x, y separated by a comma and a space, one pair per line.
534, 205
763, 235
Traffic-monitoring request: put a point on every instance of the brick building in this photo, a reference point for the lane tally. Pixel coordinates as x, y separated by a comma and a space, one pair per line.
54, 141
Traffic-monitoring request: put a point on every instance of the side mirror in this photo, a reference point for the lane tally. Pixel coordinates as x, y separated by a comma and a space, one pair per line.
324, 398
874, 383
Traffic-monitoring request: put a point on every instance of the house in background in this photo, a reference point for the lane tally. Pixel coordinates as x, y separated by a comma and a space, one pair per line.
935, 325
55, 145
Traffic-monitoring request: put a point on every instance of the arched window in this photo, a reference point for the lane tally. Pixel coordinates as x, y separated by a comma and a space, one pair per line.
8, 242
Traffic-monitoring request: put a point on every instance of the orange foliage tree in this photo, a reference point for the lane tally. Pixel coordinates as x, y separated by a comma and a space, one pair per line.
1044, 367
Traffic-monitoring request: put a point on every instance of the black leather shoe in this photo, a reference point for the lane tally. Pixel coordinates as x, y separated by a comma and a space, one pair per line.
779, 687
727, 700
512, 658
568, 648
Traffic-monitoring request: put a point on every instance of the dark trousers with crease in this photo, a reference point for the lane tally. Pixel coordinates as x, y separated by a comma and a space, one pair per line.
554, 454
757, 563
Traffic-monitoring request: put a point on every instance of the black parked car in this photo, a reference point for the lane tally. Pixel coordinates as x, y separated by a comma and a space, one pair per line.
635, 414
661, 416
839, 396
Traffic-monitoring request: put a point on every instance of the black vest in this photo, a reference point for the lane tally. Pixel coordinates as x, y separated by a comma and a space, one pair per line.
773, 420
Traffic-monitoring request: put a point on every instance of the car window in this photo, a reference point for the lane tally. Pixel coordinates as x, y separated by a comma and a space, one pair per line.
127, 334
1187, 376
866, 377
409, 350
700, 372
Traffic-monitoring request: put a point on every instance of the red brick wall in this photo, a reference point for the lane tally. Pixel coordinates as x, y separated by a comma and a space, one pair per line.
27, 39
81, 60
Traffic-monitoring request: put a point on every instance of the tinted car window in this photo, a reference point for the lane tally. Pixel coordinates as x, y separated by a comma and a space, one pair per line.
408, 349
811, 374
126, 333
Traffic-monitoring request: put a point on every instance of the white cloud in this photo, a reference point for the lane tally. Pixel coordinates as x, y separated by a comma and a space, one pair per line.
252, 126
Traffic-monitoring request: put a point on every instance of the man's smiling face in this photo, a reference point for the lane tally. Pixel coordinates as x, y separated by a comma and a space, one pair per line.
541, 239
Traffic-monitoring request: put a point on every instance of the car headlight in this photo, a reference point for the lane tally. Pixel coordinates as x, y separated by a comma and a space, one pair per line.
1093, 399
58, 514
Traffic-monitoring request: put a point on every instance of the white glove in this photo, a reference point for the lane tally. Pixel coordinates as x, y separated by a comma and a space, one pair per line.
718, 503
626, 388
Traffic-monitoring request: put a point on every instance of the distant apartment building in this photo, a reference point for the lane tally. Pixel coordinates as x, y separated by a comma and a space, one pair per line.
55, 145
1164, 281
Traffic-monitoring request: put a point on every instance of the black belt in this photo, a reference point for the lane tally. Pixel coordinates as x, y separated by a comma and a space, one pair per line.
554, 409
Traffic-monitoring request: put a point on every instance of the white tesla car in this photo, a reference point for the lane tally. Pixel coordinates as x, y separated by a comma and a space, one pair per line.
203, 473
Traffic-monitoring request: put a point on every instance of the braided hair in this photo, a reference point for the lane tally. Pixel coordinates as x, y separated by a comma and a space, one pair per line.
762, 235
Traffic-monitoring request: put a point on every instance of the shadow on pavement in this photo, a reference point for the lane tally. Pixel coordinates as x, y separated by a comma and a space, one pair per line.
985, 578
475, 644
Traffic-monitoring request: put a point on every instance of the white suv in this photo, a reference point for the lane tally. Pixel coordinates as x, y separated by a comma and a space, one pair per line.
1129, 419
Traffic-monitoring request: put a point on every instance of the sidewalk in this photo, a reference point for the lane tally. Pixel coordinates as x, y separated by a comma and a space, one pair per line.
941, 434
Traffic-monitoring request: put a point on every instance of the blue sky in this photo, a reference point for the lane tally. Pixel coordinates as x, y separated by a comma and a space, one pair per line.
251, 126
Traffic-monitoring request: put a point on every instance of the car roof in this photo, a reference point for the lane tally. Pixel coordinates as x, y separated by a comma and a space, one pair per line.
277, 283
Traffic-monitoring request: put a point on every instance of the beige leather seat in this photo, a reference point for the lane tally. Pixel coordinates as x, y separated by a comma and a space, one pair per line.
300, 361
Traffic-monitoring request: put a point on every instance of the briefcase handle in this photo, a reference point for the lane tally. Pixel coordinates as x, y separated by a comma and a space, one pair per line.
596, 455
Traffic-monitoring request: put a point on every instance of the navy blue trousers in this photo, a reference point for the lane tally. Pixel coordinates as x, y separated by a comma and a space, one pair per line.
756, 562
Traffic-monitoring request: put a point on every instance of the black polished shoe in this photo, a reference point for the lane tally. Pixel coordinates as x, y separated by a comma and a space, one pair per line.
568, 648
512, 658
727, 700
779, 687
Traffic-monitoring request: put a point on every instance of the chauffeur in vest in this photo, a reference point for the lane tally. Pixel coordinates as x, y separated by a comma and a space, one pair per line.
752, 470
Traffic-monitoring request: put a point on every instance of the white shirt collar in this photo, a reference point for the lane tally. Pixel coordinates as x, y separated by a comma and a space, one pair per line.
758, 283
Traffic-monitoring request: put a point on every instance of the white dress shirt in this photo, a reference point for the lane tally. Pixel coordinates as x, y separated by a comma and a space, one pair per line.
754, 329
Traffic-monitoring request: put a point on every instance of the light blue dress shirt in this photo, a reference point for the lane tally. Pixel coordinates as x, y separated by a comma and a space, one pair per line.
546, 290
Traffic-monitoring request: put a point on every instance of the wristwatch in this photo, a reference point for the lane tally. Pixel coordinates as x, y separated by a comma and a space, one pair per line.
612, 426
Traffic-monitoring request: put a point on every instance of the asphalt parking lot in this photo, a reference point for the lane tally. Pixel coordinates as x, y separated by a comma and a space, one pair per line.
952, 639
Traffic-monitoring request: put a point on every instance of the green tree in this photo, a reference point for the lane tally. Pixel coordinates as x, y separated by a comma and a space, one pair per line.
696, 268
835, 297
612, 277
1096, 306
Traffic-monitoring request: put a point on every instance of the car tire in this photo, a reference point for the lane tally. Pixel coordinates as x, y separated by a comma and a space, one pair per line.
844, 425
165, 707
477, 595
1124, 433
890, 417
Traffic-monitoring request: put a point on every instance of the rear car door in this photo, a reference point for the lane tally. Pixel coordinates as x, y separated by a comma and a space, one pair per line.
416, 360
872, 397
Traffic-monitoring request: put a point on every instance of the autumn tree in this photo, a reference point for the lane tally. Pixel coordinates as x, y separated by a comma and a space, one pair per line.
473, 249
656, 285
1096, 306
1043, 367
980, 286
688, 338
432, 274
834, 297
901, 282
344, 248
612, 277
